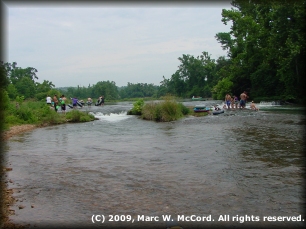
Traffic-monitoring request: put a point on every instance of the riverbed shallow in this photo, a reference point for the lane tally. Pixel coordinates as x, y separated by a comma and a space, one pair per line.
240, 163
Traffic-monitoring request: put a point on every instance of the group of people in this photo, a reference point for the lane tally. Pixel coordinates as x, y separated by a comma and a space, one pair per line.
56, 103
232, 102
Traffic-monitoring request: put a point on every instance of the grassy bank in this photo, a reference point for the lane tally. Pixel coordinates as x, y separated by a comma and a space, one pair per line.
40, 114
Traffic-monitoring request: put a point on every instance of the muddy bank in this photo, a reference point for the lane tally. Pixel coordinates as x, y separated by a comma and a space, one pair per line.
14, 130
7, 200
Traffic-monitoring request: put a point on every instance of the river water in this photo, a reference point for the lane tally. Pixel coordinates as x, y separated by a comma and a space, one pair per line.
242, 164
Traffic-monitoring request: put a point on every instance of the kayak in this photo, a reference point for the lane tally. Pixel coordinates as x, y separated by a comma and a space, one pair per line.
80, 104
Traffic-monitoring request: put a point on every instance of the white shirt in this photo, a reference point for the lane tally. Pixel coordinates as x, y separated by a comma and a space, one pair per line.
48, 99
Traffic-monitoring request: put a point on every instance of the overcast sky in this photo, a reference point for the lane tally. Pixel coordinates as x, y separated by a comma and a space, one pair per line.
74, 45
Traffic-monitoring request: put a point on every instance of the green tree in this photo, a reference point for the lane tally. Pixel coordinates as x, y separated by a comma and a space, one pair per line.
194, 77
43, 87
223, 87
26, 87
266, 47
106, 88
12, 91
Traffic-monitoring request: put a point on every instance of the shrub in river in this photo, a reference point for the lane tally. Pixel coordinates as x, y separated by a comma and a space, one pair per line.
150, 111
79, 116
137, 108
170, 111
166, 111
185, 110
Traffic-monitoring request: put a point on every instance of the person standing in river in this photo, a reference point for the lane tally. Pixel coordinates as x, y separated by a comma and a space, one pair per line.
243, 98
232, 103
63, 104
74, 102
89, 102
227, 101
55, 102
236, 101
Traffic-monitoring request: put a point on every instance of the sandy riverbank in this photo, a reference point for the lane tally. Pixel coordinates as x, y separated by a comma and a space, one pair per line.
14, 130
7, 198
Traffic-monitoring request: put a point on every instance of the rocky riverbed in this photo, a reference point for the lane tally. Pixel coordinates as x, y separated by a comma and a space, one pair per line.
7, 199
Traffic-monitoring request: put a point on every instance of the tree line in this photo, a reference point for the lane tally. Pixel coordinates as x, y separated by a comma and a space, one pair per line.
265, 52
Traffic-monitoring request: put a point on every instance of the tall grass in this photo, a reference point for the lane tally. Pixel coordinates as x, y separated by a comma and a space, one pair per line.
79, 116
39, 113
165, 111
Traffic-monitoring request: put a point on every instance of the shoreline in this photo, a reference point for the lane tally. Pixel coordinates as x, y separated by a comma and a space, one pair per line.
15, 130
7, 194
7, 198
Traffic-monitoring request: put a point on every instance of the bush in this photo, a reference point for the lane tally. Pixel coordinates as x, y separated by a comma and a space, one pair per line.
79, 116
170, 111
185, 110
51, 117
149, 111
12, 120
137, 108
26, 114
20, 99
166, 111
73, 116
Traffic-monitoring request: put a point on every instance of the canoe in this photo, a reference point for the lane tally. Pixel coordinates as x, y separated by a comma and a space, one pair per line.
196, 98
201, 108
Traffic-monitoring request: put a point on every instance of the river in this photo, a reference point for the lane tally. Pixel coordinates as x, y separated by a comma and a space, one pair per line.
244, 165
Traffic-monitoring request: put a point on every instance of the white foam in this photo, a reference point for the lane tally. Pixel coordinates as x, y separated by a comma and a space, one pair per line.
112, 117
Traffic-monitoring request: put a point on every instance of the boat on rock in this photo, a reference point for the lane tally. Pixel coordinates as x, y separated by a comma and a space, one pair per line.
201, 108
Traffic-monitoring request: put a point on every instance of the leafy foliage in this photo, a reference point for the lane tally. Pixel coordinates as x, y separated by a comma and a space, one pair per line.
22, 81
266, 47
223, 87
137, 107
